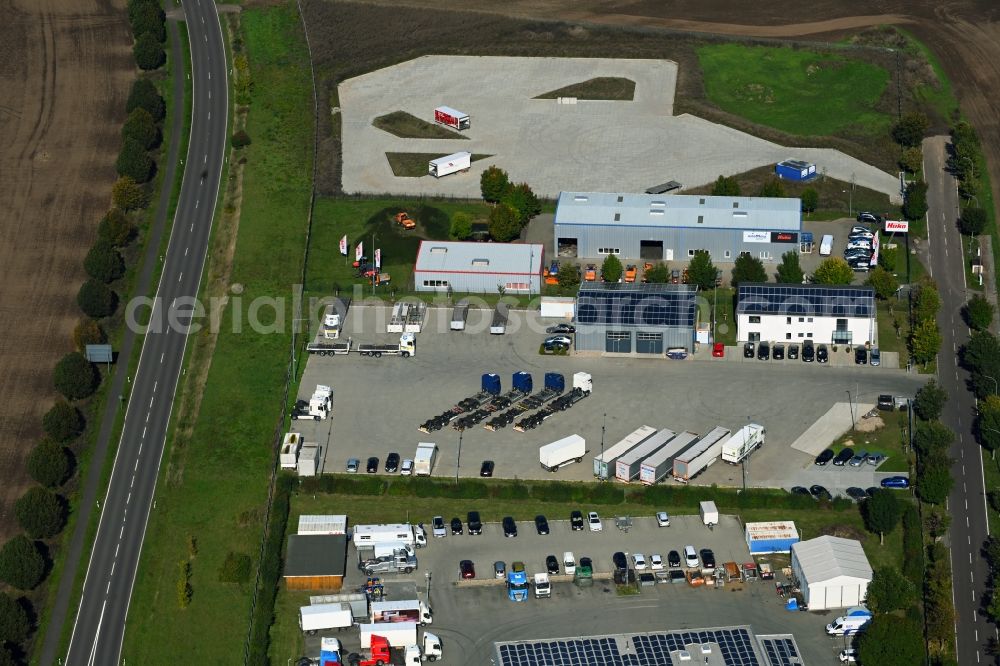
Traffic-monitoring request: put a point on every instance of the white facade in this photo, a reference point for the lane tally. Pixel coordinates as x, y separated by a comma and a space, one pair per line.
794, 313
832, 572
795, 328
479, 268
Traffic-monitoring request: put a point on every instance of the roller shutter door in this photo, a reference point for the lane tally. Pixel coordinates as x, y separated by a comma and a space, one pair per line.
649, 343
618, 342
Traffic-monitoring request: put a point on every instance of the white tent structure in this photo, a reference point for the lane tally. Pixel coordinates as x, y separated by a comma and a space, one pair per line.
832, 572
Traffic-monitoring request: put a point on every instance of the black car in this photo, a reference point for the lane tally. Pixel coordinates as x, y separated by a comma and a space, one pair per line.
392, 463
552, 564
576, 521
456, 525
886, 402
825, 457
865, 216
779, 352
808, 353
509, 527
841, 459
372, 466
561, 328
674, 559
474, 522
819, 492
856, 493
707, 558
487, 468
748, 350
618, 559
799, 490
763, 351
793, 352
822, 356
870, 490
542, 525
861, 356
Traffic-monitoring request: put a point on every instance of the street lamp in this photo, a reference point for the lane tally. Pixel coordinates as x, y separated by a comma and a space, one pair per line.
603, 469
850, 403
994, 383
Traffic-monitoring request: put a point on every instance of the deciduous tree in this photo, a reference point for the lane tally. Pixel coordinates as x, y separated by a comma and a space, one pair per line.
658, 274
74, 376
96, 299
912, 160
14, 622
569, 276
915, 200
240, 139
934, 480
49, 464
748, 268
926, 301
833, 270
891, 641
461, 226
701, 271
889, 591
726, 186
493, 183
504, 223
810, 199
881, 512
910, 129
988, 423
62, 422
772, 188
979, 313
40, 513
141, 128
127, 195
973, 221
925, 341
611, 269
115, 228
929, 401
148, 52
789, 270
103, 262
883, 282
145, 96
523, 200
21, 564
134, 162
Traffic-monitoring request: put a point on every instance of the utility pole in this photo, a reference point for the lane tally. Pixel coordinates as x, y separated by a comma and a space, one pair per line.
604, 476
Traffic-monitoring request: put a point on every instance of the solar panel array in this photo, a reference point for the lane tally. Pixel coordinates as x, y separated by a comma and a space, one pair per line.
781, 651
806, 300
637, 305
736, 646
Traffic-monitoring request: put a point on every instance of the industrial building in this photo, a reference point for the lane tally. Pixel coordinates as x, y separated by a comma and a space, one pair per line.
654, 227
478, 268
316, 561
771, 537
636, 318
830, 314
832, 572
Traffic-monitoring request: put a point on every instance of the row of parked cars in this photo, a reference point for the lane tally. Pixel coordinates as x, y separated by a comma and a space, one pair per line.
857, 494
404, 467
765, 351
849, 457
860, 241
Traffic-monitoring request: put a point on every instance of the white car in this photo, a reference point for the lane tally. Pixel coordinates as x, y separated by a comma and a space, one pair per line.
437, 526
691, 557
638, 561
406, 469
655, 562
849, 656
859, 245
662, 519
594, 522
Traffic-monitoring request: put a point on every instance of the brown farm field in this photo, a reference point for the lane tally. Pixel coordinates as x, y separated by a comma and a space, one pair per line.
66, 68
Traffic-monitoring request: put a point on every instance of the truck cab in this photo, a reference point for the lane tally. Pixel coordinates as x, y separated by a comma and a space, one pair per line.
517, 582
542, 586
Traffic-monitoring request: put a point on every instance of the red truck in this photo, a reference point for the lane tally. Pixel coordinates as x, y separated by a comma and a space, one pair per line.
380, 655
446, 115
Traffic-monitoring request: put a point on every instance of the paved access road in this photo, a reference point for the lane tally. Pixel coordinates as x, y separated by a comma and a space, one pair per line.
967, 503
100, 622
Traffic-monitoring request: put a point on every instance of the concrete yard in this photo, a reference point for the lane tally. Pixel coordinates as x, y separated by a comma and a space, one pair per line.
552, 146
379, 402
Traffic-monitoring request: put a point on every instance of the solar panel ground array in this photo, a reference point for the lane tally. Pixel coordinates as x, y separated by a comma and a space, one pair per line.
806, 300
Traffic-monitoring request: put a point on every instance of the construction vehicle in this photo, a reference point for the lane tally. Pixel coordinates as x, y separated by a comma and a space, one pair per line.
630, 272
590, 275
403, 219
554, 386
551, 274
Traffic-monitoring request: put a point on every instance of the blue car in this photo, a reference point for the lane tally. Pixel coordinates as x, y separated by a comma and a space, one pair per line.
896, 482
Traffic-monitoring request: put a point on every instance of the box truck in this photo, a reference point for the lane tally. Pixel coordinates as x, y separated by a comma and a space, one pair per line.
699, 457
658, 466
743, 443
398, 635
369, 535
323, 617
562, 452
605, 462
445, 115
400, 611
709, 513
627, 466
459, 315
449, 164
356, 601
423, 459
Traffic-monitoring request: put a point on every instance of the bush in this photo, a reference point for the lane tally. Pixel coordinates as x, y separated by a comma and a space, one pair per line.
88, 332
772, 188
96, 299
972, 222
115, 228
833, 270
184, 589
127, 195
913, 546
40, 512
21, 563
62, 422
148, 52
148, 17
75, 376
145, 96
49, 464
726, 186
134, 162
103, 263
14, 623
461, 226
236, 568
240, 139
141, 128
611, 269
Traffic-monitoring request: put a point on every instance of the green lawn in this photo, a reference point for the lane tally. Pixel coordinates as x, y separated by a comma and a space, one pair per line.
408, 126
888, 440
214, 488
796, 91
601, 88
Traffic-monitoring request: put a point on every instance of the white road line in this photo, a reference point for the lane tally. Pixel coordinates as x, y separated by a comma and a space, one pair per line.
192, 226
147, 417
209, 115
97, 634
112, 572
179, 278
135, 469
205, 160
186, 251
122, 531
116, 549
161, 357
143, 433
130, 497
107, 590
151, 402
210, 76
210, 94
197, 202
155, 384
206, 38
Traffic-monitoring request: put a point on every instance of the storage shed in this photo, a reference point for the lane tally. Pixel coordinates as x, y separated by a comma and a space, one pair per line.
323, 524
795, 170
771, 537
479, 268
832, 572
316, 561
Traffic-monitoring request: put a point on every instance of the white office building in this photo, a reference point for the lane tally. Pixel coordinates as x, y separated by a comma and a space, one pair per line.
794, 313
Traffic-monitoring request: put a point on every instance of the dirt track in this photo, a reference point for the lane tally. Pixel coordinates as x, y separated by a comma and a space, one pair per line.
66, 67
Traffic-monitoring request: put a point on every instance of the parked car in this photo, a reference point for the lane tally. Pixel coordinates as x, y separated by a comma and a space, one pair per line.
509, 527
858, 459
866, 216
800, 490
576, 521
748, 350
552, 564
778, 353
861, 356
875, 357
456, 525
808, 352
541, 525
898, 482
859, 244
352, 465
467, 569
848, 656
707, 558
677, 576
561, 328
406, 467
372, 466
673, 559
876, 459
487, 468
473, 521
594, 522
638, 561
860, 232
841, 458
662, 519
824, 457
763, 352
819, 492
886, 402
563, 340
822, 356
793, 352
858, 229
718, 350
856, 494
655, 562
499, 569
392, 463
437, 526
690, 557
619, 561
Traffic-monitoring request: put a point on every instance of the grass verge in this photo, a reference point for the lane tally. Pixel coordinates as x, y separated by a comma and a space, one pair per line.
408, 126
414, 165
600, 88
889, 440
212, 494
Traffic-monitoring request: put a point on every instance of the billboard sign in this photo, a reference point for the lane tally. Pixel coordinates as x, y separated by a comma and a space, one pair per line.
784, 237
892, 226
875, 244
756, 236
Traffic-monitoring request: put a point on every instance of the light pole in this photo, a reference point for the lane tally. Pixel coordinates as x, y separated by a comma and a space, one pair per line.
850, 404
994, 383
458, 457
604, 476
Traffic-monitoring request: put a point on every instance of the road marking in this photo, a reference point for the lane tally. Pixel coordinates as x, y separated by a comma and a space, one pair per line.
112, 572
966, 504
144, 432
116, 549
130, 497
192, 226
181, 277
210, 76
161, 357
210, 94
155, 384
135, 469
122, 531
202, 19
147, 417
972, 580
970, 558
151, 402
209, 115
206, 38
196, 202
132, 482
186, 251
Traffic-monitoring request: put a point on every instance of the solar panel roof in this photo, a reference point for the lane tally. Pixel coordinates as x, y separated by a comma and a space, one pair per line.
780, 650
637, 304
806, 300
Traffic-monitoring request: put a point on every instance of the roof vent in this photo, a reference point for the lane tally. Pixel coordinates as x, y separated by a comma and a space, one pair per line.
480, 262
740, 213
683, 655
658, 204
618, 217
655, 211
439, 249
706, 648
736, 204
580, 197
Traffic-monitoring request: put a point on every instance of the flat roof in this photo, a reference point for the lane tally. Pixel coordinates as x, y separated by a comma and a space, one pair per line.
316, 555
690, 211
333, 524
813, 300
829, 557
775, 529
479, 258
633, 304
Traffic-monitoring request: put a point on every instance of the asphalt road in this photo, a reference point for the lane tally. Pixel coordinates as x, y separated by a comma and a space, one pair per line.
967, 502
100, 622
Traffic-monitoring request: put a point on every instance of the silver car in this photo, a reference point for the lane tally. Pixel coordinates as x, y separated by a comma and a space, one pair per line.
352, 465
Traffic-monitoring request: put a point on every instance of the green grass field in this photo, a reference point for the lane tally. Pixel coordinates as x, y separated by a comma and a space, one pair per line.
795, 91
888, 440
214, 489
601, 88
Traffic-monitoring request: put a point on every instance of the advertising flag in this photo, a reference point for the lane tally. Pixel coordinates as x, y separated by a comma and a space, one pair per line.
343, 245
358, 252
378, 258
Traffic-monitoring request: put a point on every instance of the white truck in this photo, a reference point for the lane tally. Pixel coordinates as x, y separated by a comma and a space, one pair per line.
543, 588
604, 463
459, 315
400, 560
562, 452
323, 617
423, 459
743, 443
404, 533
449, 164
430, 650
317, 407
855, 620
399, 634
400, 611
332, 325
709, 513
700, 457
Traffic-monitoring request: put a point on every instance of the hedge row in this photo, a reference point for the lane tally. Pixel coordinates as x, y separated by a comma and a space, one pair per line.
913, 546
269, 573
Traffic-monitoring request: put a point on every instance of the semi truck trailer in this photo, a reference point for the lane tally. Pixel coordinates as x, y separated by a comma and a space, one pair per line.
445, 115
628, 465
562, 452
449, 164
699, 457
743, 443
658, 466
604, 464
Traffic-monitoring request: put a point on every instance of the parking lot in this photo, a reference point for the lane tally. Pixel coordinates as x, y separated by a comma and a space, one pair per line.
470, 617
379, 403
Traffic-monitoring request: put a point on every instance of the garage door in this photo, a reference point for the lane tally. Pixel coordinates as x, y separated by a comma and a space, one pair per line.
649, 343
619, 342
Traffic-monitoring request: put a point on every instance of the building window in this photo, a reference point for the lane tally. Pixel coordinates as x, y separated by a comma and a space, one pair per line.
809, 319
728, 254
763, 255
516, 286
648, 336
788, 336
701, 219
801, 335
690, 253
701, 202
618, 216
435, 283
801, 319
736, 204
620, 198
608, 250
788, 320
754, 319
619, 335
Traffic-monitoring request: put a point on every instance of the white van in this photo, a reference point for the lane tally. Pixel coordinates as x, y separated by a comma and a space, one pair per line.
826, 246
569, 563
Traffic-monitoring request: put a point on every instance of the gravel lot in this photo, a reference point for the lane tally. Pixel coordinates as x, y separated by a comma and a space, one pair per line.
553, 146
378, 403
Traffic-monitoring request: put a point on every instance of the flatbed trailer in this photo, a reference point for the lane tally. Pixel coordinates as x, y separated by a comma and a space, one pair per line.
329, 348
582, 385
555, 384
489, 391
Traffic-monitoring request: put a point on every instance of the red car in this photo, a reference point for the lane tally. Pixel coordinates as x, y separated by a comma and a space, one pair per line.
718, 350
467, 569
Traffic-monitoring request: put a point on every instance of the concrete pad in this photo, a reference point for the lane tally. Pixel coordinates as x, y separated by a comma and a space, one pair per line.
589, 146
838, 419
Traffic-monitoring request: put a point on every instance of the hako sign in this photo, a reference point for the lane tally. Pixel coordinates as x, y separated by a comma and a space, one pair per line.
892, 226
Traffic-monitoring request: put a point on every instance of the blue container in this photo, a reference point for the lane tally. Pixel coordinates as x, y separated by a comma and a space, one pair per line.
806, 237
491, 383
554, 380
522, 382
795, 170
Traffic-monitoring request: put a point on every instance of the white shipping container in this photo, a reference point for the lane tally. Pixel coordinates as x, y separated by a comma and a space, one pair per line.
606, 460
323, 524
325, 616
308, 464
562, 452
450, 164
627, 466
